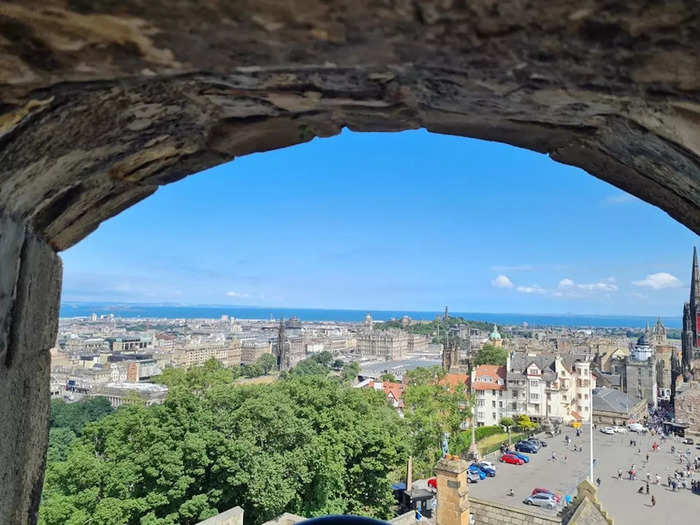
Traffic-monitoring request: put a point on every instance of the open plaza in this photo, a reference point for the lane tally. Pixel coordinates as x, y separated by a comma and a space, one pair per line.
619, 497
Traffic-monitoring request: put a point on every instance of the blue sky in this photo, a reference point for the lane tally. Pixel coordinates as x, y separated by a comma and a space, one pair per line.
408, 221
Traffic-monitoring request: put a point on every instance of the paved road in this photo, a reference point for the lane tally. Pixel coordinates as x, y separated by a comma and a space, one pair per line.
618, 497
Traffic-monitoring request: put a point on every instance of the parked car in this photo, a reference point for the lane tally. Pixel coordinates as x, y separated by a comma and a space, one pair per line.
526, 446
538, 442
476, 470
486, 468
473, 477
541, 500
487, 463
607, 430
521, 456
636, 427
432, 482
620, 430
688, 441
510, 458
557, 497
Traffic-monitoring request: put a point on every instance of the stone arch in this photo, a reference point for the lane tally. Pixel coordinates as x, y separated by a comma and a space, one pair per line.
102, 102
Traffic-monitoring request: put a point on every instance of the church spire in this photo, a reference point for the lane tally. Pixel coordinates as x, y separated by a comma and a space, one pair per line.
695, 280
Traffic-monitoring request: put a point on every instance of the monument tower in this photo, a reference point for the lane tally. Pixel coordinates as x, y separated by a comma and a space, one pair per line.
690, 339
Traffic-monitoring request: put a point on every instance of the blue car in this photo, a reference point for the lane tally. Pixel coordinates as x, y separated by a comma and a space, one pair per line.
522, 456
477, 470
489, 471
524, 446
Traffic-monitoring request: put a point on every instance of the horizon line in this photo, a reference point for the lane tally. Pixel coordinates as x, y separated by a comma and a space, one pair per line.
366, 310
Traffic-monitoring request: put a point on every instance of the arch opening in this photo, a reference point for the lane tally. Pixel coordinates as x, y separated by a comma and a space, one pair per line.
101, 104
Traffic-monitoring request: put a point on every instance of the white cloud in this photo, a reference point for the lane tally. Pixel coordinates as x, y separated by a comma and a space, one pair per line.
236, 294
534, 288
502, 281
568, 285
658, 281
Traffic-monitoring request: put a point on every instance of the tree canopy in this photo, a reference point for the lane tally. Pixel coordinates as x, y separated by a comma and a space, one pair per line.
430, 410
74, 416
491, 355
307, 444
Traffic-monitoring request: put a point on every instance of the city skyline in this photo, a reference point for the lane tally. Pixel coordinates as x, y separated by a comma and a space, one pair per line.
354, 222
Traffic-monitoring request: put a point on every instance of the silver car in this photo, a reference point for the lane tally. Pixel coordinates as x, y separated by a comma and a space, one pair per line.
541, 500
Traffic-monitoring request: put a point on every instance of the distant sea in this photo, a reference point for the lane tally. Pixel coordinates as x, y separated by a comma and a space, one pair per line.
316, 314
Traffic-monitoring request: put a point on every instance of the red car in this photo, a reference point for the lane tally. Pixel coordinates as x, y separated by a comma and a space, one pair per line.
545, 491
510, 458
432, 482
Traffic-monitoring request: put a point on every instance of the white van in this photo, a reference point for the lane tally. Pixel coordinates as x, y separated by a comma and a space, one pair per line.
636, 427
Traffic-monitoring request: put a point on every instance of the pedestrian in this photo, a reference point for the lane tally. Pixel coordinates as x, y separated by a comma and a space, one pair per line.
658, 479
565, 458
653, 501
647, 487
619, 473
647, 458
554, 456
597, 481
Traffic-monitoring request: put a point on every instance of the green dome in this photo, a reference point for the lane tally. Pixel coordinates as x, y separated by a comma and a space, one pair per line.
495, 335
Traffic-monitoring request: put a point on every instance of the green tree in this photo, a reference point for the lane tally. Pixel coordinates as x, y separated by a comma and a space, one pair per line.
524, 423
430, 410
350, 371
75, 416
388, 377
60, 441
267, 363
324, 358
491, 355
307, 445
308, 367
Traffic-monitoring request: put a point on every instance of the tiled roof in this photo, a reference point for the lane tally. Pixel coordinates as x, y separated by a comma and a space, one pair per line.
486, 377
395, 389
453, 380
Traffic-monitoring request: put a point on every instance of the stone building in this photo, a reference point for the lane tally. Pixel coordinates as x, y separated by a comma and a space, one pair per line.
549, 386
383, 344
252, 349
612, 407
640, 370
123, 393
228, 353
687, 409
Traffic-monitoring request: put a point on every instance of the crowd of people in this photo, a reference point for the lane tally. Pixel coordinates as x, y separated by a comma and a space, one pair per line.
685, 476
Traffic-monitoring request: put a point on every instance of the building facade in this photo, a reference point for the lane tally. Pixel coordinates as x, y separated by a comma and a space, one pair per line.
383, 344
641, 371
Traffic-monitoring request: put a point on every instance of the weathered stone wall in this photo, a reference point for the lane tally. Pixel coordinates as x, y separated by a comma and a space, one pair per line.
102, 102
232, 516
30, 280
493, 513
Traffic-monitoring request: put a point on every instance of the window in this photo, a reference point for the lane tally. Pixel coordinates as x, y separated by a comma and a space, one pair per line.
479, 402
493, 415
534, 396
534, 384
500, 404
514, 406
493, 404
